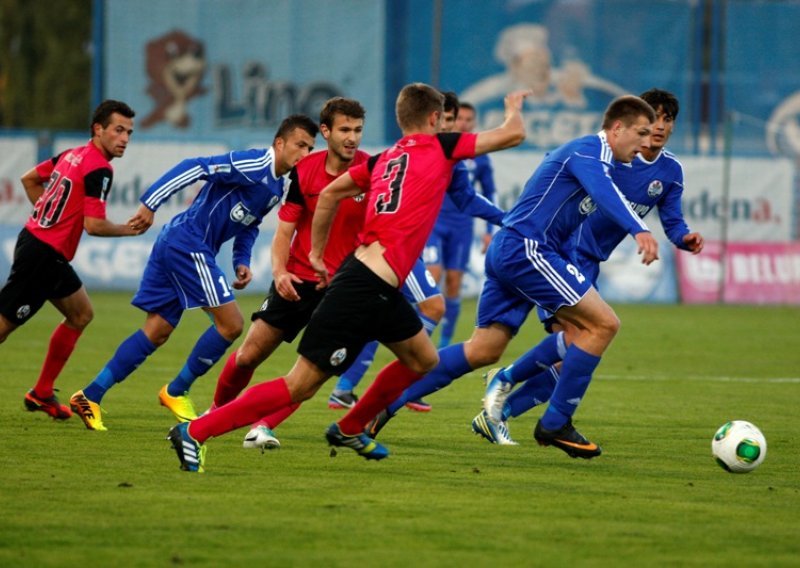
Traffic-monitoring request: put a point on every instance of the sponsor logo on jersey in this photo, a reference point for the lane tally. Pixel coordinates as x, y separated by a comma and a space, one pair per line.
23, 312
240, 214
655, 188
587, 206
338, 357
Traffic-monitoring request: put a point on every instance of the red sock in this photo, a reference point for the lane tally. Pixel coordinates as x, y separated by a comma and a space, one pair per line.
388, 385
277, 418
257, 401
232, 380
62, 343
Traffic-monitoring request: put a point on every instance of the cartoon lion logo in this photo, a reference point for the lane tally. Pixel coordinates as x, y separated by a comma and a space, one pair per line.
175, 65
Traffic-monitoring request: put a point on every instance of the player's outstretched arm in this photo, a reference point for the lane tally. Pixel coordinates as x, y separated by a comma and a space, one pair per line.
104, 228
509, 134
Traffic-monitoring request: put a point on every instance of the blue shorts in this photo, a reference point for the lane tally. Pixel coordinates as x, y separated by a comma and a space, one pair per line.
449, 246
175, 280
522, 273
590, 268
419, 285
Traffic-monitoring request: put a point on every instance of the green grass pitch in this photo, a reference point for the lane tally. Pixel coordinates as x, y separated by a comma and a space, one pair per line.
444, 497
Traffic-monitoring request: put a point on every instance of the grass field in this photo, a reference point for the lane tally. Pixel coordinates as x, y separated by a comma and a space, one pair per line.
444, 497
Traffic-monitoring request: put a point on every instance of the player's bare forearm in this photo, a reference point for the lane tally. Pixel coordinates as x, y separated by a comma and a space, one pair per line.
104, 228
34, 187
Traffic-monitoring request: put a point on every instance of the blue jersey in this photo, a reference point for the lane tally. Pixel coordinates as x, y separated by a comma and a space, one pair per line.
241, 187
478, 172
645, 185
571, 183
469, 203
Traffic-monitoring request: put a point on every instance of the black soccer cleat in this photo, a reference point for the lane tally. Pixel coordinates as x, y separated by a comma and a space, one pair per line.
567, 439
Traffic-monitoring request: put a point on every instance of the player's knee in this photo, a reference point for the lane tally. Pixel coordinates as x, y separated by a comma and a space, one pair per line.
231, 330
608, 326
433, 308
248, 358
80, 320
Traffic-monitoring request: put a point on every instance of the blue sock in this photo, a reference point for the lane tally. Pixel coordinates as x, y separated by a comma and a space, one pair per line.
130, 354
208, 350
533, 392
452, 307
576, 373
427, 322
452, 364
352, 376
550, 350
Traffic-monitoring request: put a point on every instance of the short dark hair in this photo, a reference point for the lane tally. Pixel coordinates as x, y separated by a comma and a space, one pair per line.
340, 105
664, 99
415, 102
466, 105
451, 103
293, 121
627, 109
102, 114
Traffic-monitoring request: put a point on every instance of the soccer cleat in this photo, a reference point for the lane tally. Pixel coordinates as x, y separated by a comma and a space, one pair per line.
496, 433
180, 406
342, 400
261, 437
191, 452
49, 405
360, 443
418, 405
376, 424
89, 411
567, 439
497, 391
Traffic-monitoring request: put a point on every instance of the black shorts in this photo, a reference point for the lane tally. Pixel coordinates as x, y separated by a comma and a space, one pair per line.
39, 273
290, 317
358, 307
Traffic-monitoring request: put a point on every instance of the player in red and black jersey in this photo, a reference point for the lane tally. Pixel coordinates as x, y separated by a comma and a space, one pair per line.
69, 194
405, 187
295, 291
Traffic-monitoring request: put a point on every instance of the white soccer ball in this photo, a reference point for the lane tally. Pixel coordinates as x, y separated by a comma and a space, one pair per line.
739, 447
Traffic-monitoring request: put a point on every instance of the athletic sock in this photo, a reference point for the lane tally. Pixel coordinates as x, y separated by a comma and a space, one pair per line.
549, 351
208, 350
427, 323
388, 385
533, 392
452, 364
278, 417
259, 400
232, 380
129, 355
62, 343
452, 308
576, 374
353, 375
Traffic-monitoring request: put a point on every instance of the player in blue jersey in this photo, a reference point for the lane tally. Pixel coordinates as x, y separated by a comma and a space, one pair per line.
450, 242
653, 179
181, 273
530, 262
421, 289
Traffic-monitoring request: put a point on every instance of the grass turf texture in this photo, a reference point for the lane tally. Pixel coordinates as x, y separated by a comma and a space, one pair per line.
444, 497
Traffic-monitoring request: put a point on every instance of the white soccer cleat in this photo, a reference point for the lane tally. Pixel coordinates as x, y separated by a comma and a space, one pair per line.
495, 399
261, 438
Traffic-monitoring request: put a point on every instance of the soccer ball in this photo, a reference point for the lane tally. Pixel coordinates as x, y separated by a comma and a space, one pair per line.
739, 447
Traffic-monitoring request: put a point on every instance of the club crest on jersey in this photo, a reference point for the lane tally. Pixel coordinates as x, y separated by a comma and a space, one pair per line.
587, 206
240, 214
359, 198
23, 312
655, 188
221, 168
338, 357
